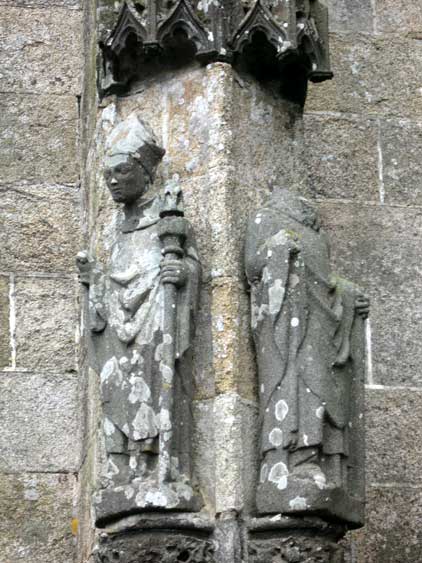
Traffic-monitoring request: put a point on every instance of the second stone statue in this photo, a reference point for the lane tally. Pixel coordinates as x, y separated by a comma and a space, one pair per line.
142, 308
308, 329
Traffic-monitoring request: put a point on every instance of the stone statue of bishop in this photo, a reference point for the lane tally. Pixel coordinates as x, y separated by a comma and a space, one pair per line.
142, 432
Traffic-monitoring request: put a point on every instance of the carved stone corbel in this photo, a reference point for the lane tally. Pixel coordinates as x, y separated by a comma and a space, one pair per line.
155, 34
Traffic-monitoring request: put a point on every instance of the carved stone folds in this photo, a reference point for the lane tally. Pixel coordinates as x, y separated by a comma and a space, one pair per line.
308, 330
265, 36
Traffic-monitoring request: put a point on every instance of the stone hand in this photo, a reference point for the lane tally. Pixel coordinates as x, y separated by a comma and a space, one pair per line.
362, 305
174, 271
85, 264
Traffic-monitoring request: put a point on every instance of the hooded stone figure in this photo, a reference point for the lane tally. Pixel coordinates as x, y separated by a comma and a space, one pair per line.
309, 337
126, 309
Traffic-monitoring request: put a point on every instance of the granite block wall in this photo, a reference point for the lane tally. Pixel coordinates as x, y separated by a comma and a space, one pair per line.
363, 151
41, 61
364, 142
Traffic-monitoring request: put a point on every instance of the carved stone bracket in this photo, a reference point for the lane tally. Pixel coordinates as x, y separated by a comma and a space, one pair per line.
155, 547
286, 540
265, 37
157, 538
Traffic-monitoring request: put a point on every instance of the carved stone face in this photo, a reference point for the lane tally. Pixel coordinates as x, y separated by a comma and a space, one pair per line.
126, 180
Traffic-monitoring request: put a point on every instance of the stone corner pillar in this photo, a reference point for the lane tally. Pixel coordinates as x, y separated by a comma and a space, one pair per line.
223, 89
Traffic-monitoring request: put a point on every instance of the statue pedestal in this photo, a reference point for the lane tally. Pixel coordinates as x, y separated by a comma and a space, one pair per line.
304, 497
280, 538
156, 538
142, 496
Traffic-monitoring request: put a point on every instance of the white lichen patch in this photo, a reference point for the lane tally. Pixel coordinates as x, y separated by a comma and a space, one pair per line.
112, 469
263, 473
154, 498
294, 280
320, 412
165, 422
320, 480
276, 437
133, 463
167, 338
281, 410
219, 323
108, 369
279, 239
108, 427
129, 492
140, 392
298, 503
276, 296
166, 372
294, 322
144, 424
278, 475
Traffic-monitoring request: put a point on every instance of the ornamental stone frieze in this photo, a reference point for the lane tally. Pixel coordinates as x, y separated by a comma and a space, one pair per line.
272, 39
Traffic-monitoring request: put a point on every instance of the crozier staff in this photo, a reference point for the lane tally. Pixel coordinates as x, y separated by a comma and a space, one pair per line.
142, 311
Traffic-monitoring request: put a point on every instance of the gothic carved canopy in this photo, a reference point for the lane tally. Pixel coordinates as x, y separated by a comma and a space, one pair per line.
269, 38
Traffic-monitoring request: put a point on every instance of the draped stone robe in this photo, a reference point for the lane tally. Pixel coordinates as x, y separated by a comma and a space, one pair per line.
126, 316
309, 351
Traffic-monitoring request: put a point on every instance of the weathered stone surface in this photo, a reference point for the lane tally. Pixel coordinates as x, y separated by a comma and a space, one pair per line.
233, 356
282, 27
41, 50
398, 16
351, 15
393, 452
5, 351
36, 518
223, 135
308, 329
393, 530
42, 3
235, 429
40, 422
142, 325
38, 138
156, 547
401, 146
379, 247
203, 448
263, 127
46, 323
40, 228
367, 72
292, 547
342, 157
203, 372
